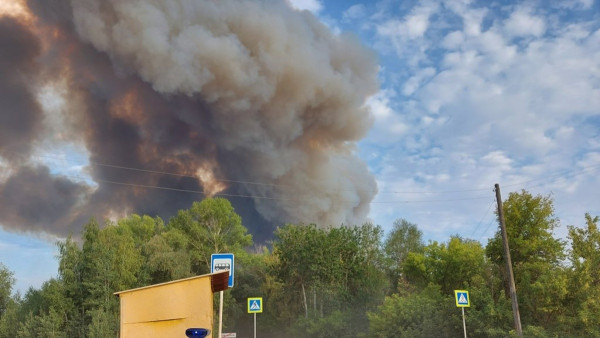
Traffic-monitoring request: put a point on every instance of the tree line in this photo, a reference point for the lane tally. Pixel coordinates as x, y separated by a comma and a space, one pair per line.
326, 282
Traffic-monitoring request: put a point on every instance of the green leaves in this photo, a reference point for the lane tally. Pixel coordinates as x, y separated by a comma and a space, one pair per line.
427, 313
333, 275
452, 265
326, 282
210, 226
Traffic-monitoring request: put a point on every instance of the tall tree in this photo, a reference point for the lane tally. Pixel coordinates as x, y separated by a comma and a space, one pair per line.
404, 238
458, 264
8, 305
330, 278
210, 226
7, 281
584, 281
540, 279
425, 313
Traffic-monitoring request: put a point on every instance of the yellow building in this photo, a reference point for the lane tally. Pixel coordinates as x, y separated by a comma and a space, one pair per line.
168, 309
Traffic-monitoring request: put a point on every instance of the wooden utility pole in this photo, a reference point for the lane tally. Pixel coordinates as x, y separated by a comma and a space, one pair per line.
511, 279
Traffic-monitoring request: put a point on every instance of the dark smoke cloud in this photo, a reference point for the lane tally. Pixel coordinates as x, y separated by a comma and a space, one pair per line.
21, 115
36, 207
246, 91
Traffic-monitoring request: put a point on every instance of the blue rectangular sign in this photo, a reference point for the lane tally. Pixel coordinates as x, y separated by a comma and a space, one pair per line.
222, 262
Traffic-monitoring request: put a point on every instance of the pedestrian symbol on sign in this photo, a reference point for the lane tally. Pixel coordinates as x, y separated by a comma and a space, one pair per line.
255, 305
462, 298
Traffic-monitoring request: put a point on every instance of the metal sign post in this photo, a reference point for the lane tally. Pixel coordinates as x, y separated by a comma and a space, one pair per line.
255, 305
464, 324
222, 262
221, 313
462, 301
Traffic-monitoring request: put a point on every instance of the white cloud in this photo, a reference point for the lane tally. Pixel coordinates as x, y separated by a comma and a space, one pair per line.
453, 40
471, 17
521, 23
379, 105
509, 103
357, 11
314, 6
412, 26
576, 4
406, 34
417, 80
388, 123
497, 159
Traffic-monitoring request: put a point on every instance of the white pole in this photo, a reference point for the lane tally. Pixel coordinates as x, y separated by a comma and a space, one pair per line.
220, 313
254, 324
464, 325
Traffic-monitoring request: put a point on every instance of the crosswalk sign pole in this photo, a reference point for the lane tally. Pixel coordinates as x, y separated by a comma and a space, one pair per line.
255, 305
462, 301
464, 324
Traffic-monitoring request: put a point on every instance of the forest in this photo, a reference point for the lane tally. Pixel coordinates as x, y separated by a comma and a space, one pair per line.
349, 281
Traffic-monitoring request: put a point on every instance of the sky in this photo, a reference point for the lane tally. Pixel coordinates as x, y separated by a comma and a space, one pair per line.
472, 93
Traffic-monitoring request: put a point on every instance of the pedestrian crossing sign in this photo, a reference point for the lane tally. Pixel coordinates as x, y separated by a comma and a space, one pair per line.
255, 305
462, 298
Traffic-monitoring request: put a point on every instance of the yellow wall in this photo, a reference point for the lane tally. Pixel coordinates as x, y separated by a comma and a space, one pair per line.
168, 309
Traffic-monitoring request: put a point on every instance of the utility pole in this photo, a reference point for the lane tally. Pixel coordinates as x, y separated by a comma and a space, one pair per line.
511, 278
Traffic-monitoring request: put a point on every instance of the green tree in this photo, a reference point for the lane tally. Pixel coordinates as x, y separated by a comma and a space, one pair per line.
426, 313
70, 276
167, 257
329, 278
8, 304
7, 281
584, 279
404, 238
146, 233
458, 264
540, 279
210, 226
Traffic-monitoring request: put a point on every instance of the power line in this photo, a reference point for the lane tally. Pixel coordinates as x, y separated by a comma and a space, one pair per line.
568, 173
428, 201
486, 229
200, 192
481, 220
153, 171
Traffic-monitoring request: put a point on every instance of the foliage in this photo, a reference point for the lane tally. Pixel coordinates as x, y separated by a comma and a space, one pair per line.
210, 226
425, 313
584, 281
331, 282
328, 275
403, 239
536, 256
458, 264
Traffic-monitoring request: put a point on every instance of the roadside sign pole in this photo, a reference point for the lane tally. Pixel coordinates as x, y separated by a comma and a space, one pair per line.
220, 262
255, 305
464, 324
220, 313
462, 301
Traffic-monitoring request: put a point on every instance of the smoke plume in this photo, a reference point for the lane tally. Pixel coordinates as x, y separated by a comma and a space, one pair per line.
250, 100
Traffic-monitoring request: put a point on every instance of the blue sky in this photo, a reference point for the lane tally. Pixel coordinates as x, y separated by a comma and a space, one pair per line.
473, 93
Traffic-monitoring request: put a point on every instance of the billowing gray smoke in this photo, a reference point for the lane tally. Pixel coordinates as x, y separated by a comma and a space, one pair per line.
247, 96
